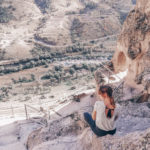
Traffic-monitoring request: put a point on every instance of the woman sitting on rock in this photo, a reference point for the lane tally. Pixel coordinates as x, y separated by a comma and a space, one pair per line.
102, 121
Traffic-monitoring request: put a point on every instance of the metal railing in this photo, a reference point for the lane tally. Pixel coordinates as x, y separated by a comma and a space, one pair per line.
118, 91
41, 110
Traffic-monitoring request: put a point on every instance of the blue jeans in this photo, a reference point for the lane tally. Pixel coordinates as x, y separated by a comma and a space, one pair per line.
95, 129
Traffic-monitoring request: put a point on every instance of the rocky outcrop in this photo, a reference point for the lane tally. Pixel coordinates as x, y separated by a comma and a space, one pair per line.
66, 122
88, 141
131, 141
133, 45
70, 131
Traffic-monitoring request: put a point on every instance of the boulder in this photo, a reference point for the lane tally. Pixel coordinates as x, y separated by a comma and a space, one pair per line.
133, 46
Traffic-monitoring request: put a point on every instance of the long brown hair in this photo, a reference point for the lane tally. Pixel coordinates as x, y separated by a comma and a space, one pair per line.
108, 90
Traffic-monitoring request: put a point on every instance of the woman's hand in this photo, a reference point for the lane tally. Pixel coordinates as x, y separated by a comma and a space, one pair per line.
94, 115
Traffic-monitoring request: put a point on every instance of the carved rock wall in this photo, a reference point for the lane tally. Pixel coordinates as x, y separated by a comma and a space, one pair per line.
133, 47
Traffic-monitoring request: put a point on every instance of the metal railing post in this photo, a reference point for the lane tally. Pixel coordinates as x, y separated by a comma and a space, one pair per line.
12, 111
26, 112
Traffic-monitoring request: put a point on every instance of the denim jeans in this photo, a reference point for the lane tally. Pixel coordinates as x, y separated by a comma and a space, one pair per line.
95, 129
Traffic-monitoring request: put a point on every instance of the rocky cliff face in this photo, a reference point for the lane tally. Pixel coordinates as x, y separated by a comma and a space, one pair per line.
70, 131
133, 47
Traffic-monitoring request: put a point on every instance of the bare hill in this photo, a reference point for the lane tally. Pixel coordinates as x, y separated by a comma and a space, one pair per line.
58, 24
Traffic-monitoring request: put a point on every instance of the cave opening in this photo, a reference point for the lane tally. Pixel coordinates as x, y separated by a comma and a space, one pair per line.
121, 60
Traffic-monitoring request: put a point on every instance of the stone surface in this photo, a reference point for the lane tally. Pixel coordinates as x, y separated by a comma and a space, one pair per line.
133, 45
71, 132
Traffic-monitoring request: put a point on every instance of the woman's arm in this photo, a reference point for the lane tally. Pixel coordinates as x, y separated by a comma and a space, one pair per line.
94, 115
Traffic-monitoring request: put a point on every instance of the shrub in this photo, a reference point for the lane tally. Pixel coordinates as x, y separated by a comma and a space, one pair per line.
91, 5
70, 12
39, 49
75, 67
71, 71
44, 5
56, 76
46, 77
92, 69
101, 46
46, 65
86, 52
2, 53
32, 77
5, 14
85, 66
24, 79
58, 68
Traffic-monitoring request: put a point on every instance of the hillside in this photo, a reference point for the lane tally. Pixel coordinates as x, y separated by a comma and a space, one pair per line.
46, 43
34, 27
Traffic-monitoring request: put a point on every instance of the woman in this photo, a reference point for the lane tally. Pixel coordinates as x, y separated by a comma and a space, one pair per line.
102, 121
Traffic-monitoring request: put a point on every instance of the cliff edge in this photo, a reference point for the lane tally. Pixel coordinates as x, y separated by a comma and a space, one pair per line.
133, 46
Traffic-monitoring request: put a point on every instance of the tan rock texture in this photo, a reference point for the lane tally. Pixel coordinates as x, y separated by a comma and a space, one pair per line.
131, 141
71, 131
133, 47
